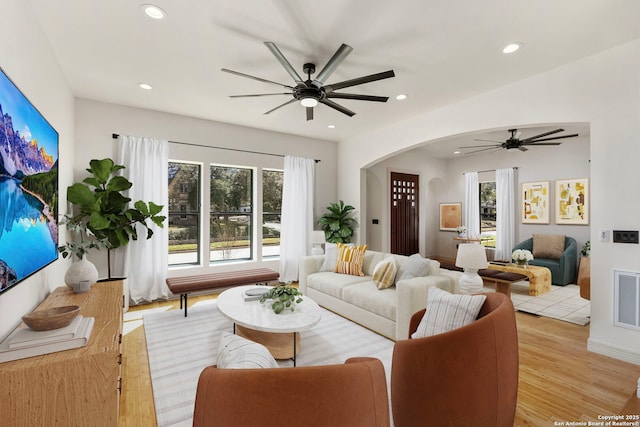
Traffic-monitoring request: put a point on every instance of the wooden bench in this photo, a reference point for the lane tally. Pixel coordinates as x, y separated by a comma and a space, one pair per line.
187, 284
501, 279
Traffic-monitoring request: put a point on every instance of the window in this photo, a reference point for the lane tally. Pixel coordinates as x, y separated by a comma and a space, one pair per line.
488, 213
231, 213
271, 212
184, 213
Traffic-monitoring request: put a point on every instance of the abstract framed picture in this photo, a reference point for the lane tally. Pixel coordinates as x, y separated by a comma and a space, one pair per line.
450, 216
572, 201
535, 202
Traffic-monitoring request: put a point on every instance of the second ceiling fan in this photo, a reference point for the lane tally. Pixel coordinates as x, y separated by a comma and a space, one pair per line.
311, 92
514, 141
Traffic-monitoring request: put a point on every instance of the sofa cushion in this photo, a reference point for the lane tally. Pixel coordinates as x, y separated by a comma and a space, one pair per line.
236, 352
333, 283
446, 312
366, 296
384, 274
330, 257
371, 259
350, 259
548, 246
413, 266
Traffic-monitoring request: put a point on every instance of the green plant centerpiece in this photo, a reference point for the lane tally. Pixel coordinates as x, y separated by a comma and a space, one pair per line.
285, 296
338, 224
103, 211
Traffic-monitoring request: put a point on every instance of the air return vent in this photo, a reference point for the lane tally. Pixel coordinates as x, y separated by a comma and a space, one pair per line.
627, 299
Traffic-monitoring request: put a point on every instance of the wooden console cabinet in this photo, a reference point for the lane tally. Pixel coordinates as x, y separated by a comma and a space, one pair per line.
78, 387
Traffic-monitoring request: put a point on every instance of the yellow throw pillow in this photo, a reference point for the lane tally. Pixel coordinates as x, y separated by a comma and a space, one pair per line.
384, 275
350, 259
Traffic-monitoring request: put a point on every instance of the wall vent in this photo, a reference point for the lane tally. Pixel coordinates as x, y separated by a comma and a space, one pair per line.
627, 299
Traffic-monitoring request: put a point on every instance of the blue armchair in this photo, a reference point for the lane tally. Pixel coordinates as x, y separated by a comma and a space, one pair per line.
564, 269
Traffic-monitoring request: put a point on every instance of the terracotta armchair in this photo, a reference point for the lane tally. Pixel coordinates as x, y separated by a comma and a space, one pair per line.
464, 377
352, 394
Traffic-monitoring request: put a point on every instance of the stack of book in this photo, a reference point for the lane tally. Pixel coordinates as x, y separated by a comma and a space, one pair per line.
24, 342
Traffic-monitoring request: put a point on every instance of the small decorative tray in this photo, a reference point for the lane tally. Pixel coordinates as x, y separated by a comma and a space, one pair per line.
53, 318
256, 292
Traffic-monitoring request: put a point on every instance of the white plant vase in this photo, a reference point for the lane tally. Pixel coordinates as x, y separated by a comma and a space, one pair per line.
81, 270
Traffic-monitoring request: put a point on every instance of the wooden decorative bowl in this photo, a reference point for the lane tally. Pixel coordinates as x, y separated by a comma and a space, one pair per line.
53, 318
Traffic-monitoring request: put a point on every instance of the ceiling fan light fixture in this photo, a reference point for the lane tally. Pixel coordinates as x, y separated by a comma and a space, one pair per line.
309, 102
511, 48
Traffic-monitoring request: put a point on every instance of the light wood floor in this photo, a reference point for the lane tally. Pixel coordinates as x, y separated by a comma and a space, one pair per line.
559, 379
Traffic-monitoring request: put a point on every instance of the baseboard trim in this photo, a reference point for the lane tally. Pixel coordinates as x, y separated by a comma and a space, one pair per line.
613, 351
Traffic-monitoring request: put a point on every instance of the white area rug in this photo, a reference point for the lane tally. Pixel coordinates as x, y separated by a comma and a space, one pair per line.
562, 303
180, 348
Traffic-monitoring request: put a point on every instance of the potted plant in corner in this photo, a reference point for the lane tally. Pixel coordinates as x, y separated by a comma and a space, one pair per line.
337, 224
104, 212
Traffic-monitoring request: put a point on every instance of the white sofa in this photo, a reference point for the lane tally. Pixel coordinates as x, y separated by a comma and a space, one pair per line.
385, 311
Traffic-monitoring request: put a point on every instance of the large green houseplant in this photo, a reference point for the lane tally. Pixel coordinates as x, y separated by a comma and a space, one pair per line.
338, 224
103, 211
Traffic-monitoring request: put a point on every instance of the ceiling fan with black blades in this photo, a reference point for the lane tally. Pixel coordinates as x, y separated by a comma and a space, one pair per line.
514, 141
311, 92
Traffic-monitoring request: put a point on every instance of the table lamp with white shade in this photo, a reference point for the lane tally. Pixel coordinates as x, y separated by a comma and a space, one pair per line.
471, 257
318, 240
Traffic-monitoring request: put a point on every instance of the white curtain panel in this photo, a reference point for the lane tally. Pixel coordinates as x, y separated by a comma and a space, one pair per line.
297, 214
505, 212
471, 206
144, 262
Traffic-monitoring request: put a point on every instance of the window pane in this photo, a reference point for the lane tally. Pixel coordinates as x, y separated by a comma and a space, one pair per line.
184, 213
488, 213
231, 213
271, 209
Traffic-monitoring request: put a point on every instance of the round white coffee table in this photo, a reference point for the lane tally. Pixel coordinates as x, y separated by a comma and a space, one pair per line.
280, 333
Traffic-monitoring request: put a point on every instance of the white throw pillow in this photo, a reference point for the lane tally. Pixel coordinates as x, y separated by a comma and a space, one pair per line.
446, 312
330, 257
384, 273
414, 266
236, 352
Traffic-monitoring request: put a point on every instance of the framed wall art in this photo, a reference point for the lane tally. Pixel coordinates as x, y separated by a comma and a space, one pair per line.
450, 216
535, 202
572, 201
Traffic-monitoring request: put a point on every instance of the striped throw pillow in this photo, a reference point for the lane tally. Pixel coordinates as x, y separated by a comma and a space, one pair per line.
350, 259
446, 312
385, 273
236, 352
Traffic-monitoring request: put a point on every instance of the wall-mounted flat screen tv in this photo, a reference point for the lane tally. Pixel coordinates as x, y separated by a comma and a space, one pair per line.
28, 187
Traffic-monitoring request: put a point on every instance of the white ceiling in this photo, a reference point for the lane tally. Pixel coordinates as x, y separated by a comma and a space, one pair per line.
441, 51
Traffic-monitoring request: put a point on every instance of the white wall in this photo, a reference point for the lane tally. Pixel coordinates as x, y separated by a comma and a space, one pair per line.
603, 90
442, 181
25, 56
97, 121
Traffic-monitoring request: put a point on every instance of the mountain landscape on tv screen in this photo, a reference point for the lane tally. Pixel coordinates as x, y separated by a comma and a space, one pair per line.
28, 204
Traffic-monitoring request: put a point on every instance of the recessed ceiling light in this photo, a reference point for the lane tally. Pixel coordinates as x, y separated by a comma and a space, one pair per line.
456, 152
512, 47
153, 11
331, 126
145, 86
401, 97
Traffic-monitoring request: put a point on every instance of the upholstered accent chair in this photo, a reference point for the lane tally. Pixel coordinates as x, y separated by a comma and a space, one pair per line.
563, 262
351, 394
464, 377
